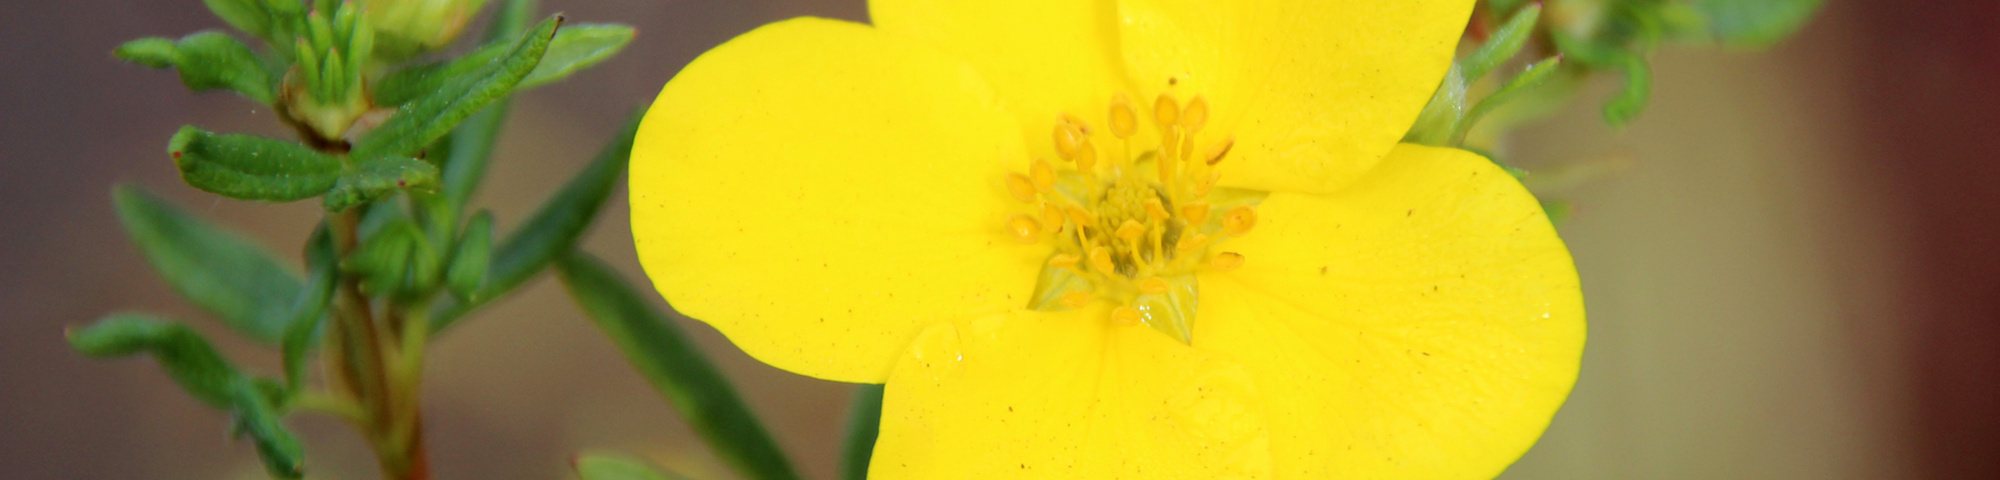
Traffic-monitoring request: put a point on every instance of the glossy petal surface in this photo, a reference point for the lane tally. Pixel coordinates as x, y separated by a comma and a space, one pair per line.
821, 192
1043, 57
1066, 395
1424, 323
1315, 91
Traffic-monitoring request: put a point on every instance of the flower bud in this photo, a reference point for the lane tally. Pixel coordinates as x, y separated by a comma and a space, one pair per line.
405, 28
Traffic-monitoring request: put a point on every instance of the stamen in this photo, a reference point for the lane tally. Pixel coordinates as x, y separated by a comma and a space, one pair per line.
1130, 231
1082, 218
1100, 261
1086, 156
1022, 188
1024, 228
1044, 176
1126, 315
1080, 125
1190, 243
1153, 286
1237, 221
1195, 115
1226, 261
1157, 209
1052, 215
1204, 184
1166, 112
1123, 119
1067, 139
1216, 152
1064, 260
1076, 299
1195, 213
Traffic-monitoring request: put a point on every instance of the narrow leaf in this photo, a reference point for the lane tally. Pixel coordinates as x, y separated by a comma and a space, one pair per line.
1756, 23
323, 275
183, 353
226, 275
436, 112
469, 148
662, 352
573, 49
276, 446
616, 467
373, 179
250, 16
864, 423
247, 167
470, 259
553, 229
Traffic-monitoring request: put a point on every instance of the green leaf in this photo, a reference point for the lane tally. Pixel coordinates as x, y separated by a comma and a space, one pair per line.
250, 16
226, 275
279, 449
424, 119
183, 353
553, 229
469, 261
617, 467
396, 260
247, 167
1632, 98
1526, 81
465, 152
207, 60
573, 49
659, 350
1756, 23
864, 423
379, 177
323, 274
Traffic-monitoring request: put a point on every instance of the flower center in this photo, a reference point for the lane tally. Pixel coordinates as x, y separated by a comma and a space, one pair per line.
1132, 225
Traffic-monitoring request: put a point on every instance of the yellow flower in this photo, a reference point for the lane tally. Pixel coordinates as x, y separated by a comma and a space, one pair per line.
1132, 239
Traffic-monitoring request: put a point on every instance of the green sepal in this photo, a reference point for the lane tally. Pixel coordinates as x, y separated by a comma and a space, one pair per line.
552, 230
376, 178
673, 363
187, 357
470, 258
1441, 119
323, 276
397, 260
1755, 23
617, 467
228, 276
573, 49
424, 119
1502, 44
255, 17
1171, 312
207, 60
1558, 211
1530, 78
864, 424
1052, 284
247, 167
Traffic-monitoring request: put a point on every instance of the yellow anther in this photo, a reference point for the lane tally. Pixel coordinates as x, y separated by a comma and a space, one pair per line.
1156, 209
1203, 184
1153, 286
1024, 228
1100, 261
1064, 260
1238, 221
1219, 150
1226, 261
1043, 176
1125, 315
1190, 243
1166, 112
1082, 218
1131, 230
1195, 213
1052, 215
1124, 120
1166, 167
1022, 188
1067, 137
1195, 115
1080, 125
1168, 143
1086, 156
1076, 299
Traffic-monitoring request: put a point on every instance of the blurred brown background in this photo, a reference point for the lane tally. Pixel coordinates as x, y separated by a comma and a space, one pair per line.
1797, 277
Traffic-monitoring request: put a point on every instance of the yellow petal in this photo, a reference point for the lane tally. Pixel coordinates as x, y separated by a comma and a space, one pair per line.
1066, 395
821, 192
1424, 323
1043, 57
1316, 91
